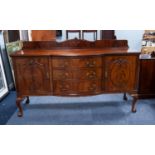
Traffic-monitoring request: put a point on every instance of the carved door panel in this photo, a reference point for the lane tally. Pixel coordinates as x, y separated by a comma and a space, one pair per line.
33, 75
120, 73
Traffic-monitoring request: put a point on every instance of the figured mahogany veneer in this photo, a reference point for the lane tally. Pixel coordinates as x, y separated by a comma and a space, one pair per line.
74, 71
146, 79
75, 43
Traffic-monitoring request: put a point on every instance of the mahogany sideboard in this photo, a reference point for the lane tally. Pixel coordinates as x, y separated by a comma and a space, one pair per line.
75, 68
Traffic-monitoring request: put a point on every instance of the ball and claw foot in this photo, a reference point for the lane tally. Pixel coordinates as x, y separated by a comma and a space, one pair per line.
20, 114
20, 109
134, 105
134, 110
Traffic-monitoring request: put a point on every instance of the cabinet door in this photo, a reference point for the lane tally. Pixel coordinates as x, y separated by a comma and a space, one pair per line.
120, 73
32, 75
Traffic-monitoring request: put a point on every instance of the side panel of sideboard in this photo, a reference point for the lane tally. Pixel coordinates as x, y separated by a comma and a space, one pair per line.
147, 78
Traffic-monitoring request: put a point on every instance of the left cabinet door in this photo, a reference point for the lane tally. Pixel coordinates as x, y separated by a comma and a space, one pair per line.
32, 75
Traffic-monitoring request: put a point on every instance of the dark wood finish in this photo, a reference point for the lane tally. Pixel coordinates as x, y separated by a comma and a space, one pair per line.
133, 108
43, 35
108, 34
81, 74
146, 86
89, 31
120, 73
147, 76
73, 31
63, 62
89, 86
75, 43
18, 103
77, 74
34, 75
74, 71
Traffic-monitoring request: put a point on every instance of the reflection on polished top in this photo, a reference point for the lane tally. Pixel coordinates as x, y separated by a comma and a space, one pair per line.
72, 52
73, 47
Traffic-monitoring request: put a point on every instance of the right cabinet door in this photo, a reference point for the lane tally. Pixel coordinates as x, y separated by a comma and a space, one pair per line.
120, 73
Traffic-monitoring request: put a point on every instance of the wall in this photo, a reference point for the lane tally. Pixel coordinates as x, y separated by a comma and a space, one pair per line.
134, 37
24, 35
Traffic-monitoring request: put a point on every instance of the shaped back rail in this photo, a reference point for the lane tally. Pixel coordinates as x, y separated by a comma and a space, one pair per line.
75, 43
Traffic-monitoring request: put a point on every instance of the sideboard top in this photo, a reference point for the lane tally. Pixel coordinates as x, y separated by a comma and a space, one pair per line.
73, 47
73, 52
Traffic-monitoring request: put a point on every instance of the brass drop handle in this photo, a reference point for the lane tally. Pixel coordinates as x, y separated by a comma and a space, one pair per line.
65, 75
90, 63
64, 87
91, 74
47, 75
93, 87
106, 74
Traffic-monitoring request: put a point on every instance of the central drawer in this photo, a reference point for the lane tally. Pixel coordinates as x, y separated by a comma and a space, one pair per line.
76, 87
81, 74
81, 62
76, 76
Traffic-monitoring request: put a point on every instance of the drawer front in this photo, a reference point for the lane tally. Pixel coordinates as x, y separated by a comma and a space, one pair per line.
87, 62
62, 86
89, 86
61, 62
88, 74
76, 86
76, 76
62, 74
81, 74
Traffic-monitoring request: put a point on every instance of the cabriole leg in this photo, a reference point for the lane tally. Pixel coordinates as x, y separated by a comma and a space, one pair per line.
20, 109
133, 109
